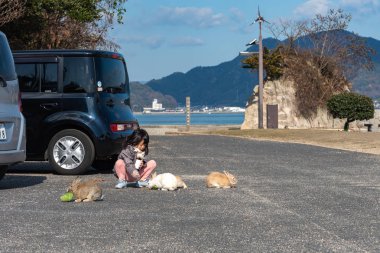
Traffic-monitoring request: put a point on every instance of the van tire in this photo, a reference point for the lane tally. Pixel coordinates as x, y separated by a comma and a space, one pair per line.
3, 169
71, 152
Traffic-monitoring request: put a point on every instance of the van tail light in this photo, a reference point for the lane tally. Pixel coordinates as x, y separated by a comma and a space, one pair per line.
119, 127
19, 102
115, 56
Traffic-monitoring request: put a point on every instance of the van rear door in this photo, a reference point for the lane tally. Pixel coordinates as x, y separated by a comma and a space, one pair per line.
112, 86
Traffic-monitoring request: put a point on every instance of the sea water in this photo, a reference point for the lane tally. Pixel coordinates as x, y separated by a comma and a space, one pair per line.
195, 119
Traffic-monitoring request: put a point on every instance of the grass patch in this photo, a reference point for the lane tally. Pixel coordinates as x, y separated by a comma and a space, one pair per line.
368, 142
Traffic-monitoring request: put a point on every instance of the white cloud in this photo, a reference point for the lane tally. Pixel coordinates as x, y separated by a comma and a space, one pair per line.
361, 7
238, 21
152, 42
189, 16
356, 7
360, 2
187, 41
312, 7
237, 15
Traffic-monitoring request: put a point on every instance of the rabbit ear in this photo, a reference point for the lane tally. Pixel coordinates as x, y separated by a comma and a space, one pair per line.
228, 174
96, 180
77, 180
154, 175
230, 177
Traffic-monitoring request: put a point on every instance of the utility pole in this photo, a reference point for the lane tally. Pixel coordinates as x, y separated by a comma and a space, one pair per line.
260, 20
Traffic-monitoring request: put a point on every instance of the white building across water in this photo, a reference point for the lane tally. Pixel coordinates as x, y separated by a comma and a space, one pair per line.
156, 107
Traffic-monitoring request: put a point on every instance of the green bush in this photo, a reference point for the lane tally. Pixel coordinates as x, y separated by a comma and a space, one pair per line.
272, 61
351, 106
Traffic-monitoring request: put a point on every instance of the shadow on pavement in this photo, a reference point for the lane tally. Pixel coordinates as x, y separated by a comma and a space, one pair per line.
95, 172
44, 168
18, 181
31, 167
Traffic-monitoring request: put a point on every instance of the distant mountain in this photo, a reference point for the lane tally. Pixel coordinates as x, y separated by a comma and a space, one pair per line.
142, 96
231, 85
368, 82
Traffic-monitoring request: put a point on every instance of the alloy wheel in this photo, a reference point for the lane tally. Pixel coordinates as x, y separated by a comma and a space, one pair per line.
68, 152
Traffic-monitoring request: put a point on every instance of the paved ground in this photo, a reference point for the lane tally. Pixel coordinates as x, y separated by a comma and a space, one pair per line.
290, 198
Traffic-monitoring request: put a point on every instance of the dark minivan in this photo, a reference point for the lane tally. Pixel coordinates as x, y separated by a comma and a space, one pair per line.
77, 107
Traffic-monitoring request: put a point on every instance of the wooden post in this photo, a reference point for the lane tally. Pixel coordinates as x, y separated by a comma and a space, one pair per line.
187, 113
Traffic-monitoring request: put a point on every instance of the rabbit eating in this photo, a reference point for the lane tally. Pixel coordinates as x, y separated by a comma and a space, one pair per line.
221, 180
166, 182
86, 191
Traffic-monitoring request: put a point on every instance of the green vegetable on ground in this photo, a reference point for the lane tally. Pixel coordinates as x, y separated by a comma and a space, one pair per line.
67, 197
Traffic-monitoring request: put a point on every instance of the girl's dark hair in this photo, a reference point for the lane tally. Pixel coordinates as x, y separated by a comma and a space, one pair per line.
136, 137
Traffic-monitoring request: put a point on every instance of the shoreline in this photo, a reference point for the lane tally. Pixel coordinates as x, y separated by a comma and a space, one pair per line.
163, 113
356, 141
194, 126
182, 129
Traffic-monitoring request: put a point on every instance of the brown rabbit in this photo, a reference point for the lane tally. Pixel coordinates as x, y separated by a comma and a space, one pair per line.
221, 180
85, 191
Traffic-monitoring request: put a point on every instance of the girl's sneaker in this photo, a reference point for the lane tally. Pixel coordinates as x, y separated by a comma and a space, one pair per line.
132, 184
121, 184
143, 183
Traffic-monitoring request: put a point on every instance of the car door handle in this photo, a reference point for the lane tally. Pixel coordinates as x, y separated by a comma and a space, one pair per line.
48, 106
110, 103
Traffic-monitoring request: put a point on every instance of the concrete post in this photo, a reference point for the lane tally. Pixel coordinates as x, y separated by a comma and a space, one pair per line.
187, 113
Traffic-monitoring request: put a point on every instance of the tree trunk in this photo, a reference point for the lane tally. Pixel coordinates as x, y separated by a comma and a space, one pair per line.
346, 125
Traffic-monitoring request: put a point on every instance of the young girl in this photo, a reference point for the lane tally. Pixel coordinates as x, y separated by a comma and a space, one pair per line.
126, 169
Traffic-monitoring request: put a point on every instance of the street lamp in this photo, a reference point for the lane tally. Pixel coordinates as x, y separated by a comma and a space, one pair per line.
253, 42
261, 81
260, 20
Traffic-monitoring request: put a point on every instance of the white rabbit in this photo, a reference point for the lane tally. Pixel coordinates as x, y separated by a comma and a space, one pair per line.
139, 158
166, 182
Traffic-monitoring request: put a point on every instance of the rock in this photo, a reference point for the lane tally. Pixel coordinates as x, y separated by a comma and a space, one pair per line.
282, 93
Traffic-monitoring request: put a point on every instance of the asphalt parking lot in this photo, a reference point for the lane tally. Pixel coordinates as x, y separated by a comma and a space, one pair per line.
290, 198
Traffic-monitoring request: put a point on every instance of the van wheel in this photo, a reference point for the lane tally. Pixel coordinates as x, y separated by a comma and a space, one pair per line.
71, 152
3, 169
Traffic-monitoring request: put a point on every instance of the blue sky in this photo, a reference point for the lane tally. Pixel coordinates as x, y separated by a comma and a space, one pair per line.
160, 37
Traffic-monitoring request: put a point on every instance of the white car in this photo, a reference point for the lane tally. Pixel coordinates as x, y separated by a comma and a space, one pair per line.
12, 122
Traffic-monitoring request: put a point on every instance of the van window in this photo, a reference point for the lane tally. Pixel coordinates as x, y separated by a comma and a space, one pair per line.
28, 77
49, 78
111, 75
33, 75
7, 68
78, 75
